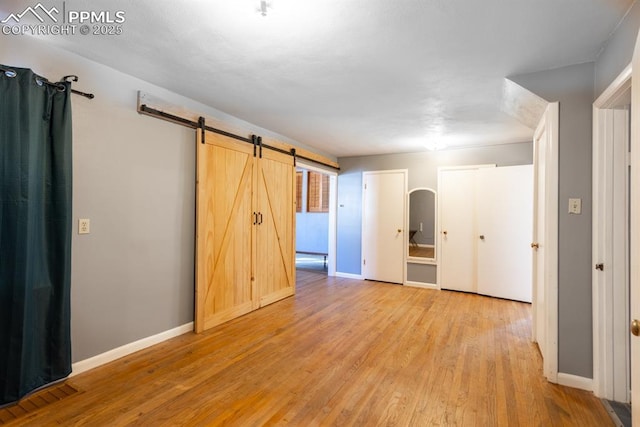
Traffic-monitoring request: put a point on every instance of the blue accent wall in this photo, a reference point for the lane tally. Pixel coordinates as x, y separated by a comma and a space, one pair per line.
312, 232
349, 222
312, 229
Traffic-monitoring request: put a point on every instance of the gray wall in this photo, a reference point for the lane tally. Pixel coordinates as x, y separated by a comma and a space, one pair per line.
423, 172
312, 229
132, 277
422, 273
573, 87
618, 50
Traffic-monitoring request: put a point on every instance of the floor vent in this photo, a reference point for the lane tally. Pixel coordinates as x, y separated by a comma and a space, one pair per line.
620, 412
38, 400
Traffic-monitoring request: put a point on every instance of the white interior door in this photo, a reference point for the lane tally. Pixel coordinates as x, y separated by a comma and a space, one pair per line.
610, 221
545, 240
457, 203
635, 234
504, 229
383, 225
538, 237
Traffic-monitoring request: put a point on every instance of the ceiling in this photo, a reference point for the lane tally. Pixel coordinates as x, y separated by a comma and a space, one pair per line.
352, 77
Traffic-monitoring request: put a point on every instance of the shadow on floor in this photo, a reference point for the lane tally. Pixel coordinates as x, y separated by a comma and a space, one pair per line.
311, 262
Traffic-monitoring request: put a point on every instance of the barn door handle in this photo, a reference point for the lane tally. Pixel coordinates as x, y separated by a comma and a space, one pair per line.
255, 218
260, 215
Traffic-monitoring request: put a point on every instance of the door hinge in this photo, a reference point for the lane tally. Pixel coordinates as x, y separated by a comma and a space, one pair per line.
364, 262
629, 159
365, 185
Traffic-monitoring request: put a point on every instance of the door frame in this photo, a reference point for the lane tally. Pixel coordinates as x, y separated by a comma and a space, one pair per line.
415, 260
405, 173
333, 211
549, 123
634, 280
604, 232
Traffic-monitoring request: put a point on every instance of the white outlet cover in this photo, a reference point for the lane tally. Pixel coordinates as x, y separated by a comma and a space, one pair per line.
575, 206
84, 226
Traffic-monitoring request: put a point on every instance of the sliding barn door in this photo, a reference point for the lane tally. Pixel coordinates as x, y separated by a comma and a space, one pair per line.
225, 175
275, 237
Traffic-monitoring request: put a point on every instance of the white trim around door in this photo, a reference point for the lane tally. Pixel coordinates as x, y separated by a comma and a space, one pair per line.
333, 209
610, 281
545, 288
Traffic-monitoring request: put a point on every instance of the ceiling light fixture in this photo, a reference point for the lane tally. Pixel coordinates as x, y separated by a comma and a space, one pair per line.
263, 7
436, 145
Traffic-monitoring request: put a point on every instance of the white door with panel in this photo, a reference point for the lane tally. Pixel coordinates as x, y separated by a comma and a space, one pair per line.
545, 240
538, 245
486, 217
457, 222
504, 229
383, 216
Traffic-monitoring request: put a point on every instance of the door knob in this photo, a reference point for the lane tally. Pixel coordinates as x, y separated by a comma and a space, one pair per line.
600, 266
635, 327
482, 237
535, 245
444, 232
399, 230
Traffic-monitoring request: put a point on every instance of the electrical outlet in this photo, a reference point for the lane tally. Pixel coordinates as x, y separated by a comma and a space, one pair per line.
84, 226
575, 206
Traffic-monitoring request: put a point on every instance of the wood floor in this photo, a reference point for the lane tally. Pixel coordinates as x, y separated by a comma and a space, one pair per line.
341, 352
421, 252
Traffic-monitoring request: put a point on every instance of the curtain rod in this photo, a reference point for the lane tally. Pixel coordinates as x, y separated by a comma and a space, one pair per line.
42, 80
200, 125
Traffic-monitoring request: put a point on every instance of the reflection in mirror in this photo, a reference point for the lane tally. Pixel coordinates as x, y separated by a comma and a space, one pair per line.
422, 223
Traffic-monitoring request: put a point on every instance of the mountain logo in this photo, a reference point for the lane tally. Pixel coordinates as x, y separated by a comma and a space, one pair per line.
38, 11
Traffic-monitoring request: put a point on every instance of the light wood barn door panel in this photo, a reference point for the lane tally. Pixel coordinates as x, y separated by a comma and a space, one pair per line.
275, 239
225, 174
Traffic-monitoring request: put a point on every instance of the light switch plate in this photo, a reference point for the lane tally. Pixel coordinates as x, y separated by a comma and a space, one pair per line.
575, 206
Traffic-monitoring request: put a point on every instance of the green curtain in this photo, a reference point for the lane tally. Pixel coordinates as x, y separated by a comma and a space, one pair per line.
35, 233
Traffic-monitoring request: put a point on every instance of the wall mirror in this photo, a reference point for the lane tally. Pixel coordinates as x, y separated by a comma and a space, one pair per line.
421, 244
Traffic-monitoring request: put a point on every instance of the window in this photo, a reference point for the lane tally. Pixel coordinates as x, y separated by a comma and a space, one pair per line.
318, 192
298, 191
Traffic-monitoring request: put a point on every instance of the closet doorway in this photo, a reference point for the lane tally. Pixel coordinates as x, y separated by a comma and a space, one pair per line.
316, 203
486, 225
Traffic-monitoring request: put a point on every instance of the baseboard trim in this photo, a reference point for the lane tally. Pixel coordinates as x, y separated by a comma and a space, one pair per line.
575, 381
125, 350
422, 285
349, 275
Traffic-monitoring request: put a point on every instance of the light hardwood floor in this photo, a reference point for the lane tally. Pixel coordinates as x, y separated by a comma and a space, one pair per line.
421, 252
340, 352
